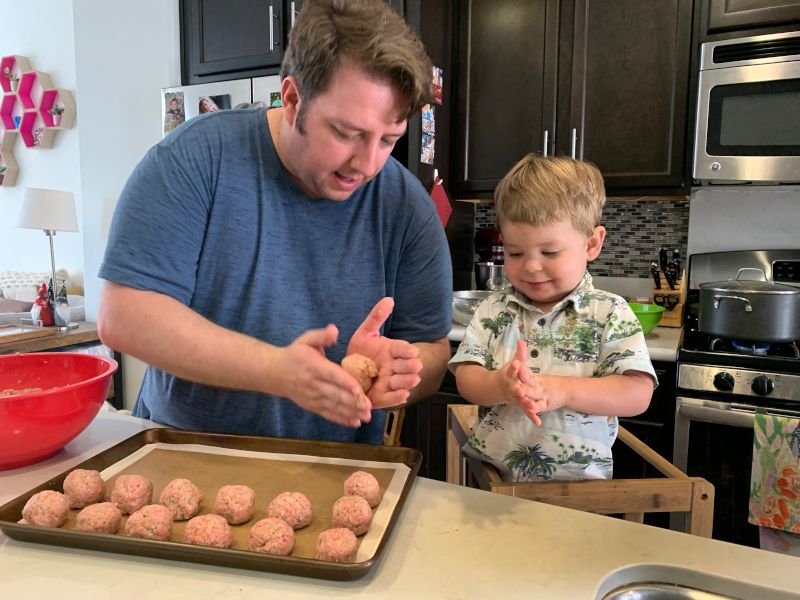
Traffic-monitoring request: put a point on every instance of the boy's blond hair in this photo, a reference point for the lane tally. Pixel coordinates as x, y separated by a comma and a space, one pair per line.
540, 191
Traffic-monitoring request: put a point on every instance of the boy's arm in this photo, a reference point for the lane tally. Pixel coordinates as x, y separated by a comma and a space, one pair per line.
612, 395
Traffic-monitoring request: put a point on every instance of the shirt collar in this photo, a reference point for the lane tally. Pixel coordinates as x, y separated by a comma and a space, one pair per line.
575, 298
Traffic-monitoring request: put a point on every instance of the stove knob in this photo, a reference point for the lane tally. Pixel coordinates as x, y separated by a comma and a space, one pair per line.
762, 385
724, 381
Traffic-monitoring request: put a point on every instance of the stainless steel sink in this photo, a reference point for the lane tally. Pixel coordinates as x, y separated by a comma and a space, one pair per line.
661, 591
667, 582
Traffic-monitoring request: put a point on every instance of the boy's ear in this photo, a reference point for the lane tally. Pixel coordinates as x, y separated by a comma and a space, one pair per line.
595, 242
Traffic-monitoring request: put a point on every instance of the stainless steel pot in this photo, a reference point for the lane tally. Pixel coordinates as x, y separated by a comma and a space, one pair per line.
751, 310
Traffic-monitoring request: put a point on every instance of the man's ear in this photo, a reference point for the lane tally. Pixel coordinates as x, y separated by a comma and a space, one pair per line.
595, 243
290, 99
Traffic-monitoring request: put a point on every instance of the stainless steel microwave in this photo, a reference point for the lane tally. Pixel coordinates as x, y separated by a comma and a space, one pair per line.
748, 110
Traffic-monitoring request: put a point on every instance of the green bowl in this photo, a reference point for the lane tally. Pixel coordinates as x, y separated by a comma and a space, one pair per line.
648, 314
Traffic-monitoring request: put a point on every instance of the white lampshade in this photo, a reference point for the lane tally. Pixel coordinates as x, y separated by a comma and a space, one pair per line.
51, 210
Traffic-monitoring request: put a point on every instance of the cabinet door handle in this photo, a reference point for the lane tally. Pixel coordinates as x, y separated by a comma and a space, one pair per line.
293, 11
573, 144
545, 142
271, 29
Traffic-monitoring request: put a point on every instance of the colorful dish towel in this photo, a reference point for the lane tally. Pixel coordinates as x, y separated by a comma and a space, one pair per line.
775, 482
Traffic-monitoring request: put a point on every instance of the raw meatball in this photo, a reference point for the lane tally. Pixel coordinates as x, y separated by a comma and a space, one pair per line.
208, 530
236, 503
352, 512
362, 368
293, 508
103, 517
47, 508
338, 545
132, 492
272, 536
182, 497
151, 522
365, 485
83, 487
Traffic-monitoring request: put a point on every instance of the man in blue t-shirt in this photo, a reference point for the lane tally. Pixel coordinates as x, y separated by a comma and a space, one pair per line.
251, 250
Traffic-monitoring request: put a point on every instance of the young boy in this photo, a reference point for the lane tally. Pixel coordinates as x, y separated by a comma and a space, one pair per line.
554, 360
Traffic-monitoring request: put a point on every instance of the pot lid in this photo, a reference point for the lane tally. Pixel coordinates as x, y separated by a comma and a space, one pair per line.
750, 286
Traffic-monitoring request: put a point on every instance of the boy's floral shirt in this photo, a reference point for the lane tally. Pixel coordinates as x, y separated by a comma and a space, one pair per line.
589, 333
775, 477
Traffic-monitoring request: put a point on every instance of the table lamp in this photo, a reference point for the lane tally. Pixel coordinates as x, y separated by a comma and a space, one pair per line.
50, 211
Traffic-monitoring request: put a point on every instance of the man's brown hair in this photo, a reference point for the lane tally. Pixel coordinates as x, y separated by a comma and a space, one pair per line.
366, 33
540, 191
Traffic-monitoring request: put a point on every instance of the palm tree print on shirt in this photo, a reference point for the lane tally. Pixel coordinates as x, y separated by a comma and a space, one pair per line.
529, 462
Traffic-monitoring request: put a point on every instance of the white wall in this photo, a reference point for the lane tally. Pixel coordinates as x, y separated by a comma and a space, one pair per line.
48, 44
124, 54
114, 57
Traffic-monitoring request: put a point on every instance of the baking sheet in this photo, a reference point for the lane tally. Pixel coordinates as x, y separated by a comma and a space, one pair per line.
268, 465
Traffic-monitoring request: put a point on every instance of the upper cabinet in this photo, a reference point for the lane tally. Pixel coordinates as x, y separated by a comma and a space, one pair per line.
602, 80
231, 39
746, 14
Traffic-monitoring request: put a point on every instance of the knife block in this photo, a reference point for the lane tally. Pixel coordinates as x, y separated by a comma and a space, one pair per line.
674, 317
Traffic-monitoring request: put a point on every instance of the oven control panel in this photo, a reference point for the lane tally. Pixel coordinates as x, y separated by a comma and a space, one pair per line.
744, 382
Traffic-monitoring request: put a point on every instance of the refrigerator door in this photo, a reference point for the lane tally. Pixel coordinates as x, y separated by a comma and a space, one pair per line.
179, 104
267, 89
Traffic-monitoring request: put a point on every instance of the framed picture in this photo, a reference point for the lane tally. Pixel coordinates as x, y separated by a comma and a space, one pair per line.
267, 90
179, 104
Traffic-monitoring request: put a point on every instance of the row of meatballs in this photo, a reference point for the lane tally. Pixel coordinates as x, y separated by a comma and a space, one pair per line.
182, 500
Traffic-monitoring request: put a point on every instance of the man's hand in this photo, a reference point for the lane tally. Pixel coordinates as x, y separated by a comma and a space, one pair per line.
398, 361
318, 385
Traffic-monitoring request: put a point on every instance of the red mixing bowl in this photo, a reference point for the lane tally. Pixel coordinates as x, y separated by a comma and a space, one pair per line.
61, 392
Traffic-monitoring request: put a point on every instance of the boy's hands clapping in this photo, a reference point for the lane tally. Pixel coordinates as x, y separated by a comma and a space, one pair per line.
533, 393
519, 383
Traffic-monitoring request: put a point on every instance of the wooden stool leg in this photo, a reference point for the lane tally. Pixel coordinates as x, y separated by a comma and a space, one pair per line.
634, 517
700, 520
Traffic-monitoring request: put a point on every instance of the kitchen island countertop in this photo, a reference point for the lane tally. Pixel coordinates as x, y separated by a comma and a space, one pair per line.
449, 542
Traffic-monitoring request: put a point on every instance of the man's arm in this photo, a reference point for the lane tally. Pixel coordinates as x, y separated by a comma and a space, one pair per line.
434, 356
170, 336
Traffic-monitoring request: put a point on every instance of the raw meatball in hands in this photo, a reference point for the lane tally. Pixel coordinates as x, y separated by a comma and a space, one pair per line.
398, 361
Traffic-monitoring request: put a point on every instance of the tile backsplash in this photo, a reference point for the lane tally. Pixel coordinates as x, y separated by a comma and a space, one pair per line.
637, 228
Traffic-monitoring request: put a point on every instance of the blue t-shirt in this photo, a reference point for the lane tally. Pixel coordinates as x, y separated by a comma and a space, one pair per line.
212, 218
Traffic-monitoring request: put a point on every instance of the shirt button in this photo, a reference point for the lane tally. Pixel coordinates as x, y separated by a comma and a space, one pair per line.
534, 353
542, 322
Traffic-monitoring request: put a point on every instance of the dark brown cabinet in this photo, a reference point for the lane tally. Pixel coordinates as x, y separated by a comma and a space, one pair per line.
744, 14
229, 39
232, 39
603, 80
506, 86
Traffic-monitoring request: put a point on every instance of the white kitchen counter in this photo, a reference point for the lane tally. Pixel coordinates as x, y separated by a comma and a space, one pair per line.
450, 542
662, 342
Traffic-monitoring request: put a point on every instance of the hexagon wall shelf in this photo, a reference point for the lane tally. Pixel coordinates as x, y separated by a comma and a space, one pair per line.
31, 108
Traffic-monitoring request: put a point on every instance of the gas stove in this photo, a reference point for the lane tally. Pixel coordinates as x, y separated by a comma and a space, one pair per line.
757, 372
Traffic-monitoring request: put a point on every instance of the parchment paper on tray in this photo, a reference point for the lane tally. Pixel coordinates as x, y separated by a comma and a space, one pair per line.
269, 474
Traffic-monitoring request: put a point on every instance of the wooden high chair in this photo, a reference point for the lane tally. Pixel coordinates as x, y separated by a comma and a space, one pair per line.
675, 492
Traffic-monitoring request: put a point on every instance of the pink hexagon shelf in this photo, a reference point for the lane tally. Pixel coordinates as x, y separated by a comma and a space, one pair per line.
8, 164
12, 68
31, 86
32, 107
11, 112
